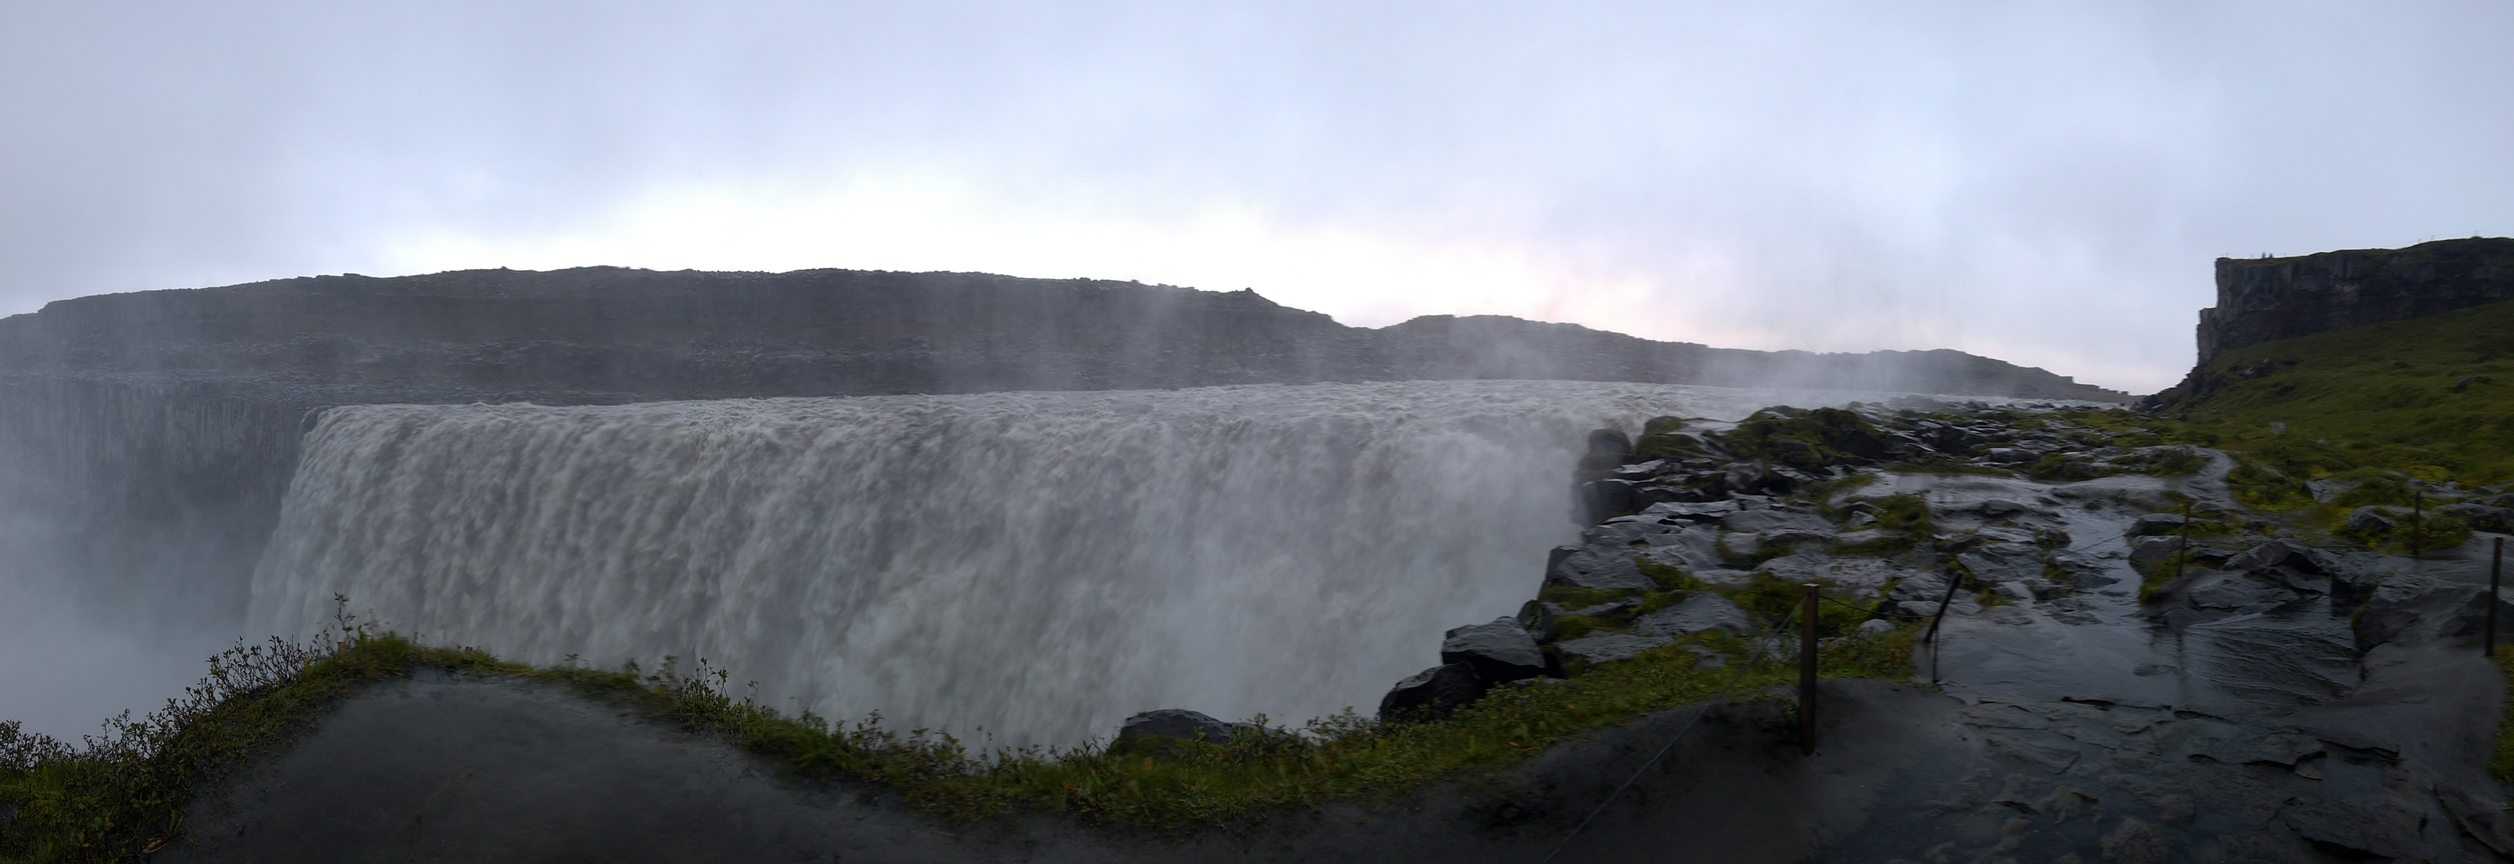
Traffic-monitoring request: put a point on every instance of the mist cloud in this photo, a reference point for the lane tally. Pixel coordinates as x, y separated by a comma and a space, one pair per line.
2045, 183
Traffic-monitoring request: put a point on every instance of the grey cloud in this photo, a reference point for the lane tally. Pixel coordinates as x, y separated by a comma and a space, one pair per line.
2041, 182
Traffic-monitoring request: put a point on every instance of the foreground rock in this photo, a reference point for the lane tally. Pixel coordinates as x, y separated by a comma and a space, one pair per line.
1431, 693
1498, 652
1153, 729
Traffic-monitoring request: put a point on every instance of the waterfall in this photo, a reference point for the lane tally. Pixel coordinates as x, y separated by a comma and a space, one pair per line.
1033, 565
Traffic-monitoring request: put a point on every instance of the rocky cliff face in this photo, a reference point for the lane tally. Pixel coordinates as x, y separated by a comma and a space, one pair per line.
2264, 299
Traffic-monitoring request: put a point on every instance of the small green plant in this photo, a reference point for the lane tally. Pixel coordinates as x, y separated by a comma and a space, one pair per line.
1668, 577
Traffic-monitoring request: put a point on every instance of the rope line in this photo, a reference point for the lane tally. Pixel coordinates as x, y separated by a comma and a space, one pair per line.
1628, 781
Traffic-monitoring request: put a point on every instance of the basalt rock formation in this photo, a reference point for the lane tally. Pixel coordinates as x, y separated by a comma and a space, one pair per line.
2270, 299
2265, 299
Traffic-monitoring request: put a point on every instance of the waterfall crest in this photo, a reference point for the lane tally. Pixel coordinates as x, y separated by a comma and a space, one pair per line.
1035, 565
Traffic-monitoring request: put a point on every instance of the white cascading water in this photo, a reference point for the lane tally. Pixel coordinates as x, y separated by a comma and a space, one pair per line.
1028, 566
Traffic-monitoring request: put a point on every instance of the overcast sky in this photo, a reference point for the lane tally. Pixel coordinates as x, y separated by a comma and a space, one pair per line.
2044, 183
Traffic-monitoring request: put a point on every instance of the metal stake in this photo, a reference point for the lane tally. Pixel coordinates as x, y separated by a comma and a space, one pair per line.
2183, 542
1807, 672
2417, 522
2496, 575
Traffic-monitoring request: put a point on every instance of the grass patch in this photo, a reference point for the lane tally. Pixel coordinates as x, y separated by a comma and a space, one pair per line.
2381, 396
1668, 577
2432, 534
117, 795
1807, 440
120, 793
1665, 438
1907, 513
1775, 603
1905, 522
1821, 493
2155, 575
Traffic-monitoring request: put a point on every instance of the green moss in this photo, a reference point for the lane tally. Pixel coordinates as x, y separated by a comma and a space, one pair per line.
2432, 534
1664, 438
1808, 440
1820, 494
1775, 603
2063, 468
2261, 487
1907, 513
1576, 626
1668, 577
2154, 577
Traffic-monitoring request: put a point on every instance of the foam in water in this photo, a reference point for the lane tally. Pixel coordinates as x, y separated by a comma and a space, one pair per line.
1037, 565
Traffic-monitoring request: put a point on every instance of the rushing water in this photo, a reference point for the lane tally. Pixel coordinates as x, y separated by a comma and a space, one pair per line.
1037, 565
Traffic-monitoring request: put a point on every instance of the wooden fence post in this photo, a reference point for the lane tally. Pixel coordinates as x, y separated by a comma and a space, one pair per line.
1807, 672
2496, 575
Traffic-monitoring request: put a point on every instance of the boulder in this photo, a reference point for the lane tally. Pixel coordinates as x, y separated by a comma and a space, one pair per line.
2009, 455
2381, 621
1537, 617
1498, 651
2287, 554
1431, 693
1694, 511
1598, 569
2482, 517
1998, 507
1751, 478
1154, 729
1605, 499
2370, 522
1756, 521
1607, 449
1875, 627
1996, 563
1699, 612
2229, 592
2469, 618
2154, 554
1608, 609
2157, 523
1610, 647
1664, 438
1867, 537
1783, 538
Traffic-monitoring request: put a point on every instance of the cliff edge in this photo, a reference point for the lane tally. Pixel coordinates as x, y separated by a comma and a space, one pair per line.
2265, 299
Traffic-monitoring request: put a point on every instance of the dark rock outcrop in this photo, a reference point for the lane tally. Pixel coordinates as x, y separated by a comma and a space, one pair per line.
1498, 651
1431, 693
1154, 729
2265, 299
2268, 299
